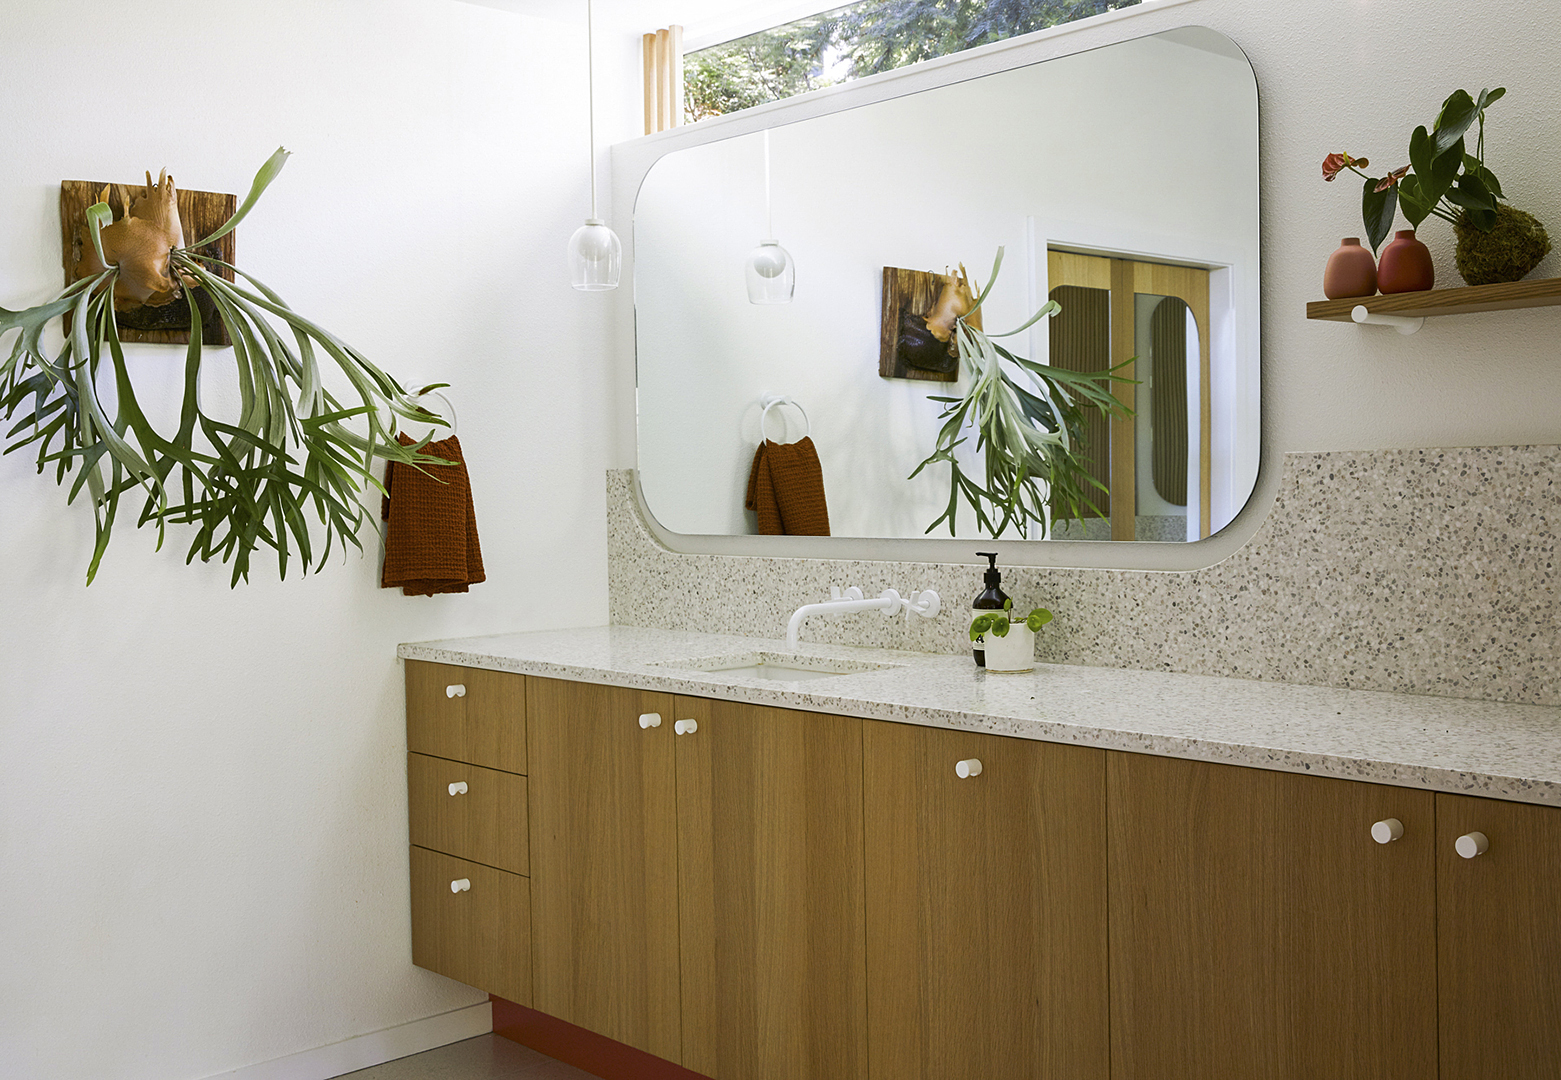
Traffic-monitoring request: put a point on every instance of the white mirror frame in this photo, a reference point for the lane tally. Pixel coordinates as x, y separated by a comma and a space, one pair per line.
633, 160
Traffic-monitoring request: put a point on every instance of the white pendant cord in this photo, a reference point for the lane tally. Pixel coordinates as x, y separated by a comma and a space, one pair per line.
590, 95
769, 212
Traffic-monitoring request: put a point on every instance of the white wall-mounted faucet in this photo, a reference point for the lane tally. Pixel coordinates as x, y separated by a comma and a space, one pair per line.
890, 602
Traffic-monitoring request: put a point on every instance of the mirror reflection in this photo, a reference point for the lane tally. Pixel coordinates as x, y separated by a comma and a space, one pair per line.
1120, 184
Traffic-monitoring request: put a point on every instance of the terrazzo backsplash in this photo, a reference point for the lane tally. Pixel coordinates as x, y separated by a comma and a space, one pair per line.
1416, 571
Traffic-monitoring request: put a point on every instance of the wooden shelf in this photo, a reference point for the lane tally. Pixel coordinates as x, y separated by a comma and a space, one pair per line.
1545, 292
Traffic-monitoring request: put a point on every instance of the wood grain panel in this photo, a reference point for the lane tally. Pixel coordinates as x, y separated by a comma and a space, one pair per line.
986, 916
604, 862
1079, 338
1499, 940
771, 893
486, 726
481, 937
486, 823
1258, 931
1124, 444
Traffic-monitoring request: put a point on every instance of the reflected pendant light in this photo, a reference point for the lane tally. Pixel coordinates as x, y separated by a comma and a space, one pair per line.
595, 255
770, 272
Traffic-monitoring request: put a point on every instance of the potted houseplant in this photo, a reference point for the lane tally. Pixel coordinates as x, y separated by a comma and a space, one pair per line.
1448, 179
1026, 436
1009, 637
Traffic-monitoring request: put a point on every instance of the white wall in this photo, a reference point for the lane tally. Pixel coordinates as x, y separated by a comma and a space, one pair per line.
202, 809
921, 181
1332, 75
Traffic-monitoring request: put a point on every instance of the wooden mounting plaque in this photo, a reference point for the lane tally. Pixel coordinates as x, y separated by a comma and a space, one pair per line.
915, 291
200, 213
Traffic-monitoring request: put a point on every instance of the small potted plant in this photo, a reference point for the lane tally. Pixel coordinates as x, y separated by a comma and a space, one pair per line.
1009, 637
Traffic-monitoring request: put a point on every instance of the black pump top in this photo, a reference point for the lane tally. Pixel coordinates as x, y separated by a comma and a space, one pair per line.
993, 577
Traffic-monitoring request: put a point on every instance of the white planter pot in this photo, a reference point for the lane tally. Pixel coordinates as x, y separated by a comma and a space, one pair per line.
1014, 653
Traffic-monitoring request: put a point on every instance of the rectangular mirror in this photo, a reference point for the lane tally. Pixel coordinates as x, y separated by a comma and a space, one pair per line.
1121, 182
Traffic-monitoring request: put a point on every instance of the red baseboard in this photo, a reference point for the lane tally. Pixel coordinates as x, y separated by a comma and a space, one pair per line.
596, 1054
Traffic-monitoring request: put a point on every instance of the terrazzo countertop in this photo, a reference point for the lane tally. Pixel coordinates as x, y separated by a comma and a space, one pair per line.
1503, 751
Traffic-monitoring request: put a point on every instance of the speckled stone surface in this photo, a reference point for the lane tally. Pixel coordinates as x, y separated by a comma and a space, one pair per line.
1443, 744
1414, 571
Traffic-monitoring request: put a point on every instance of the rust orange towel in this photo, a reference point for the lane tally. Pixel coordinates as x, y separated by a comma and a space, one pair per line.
786, 488
431, 529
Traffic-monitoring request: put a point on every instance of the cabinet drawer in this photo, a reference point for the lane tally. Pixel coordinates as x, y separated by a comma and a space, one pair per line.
480, 935
467, 714
483, 819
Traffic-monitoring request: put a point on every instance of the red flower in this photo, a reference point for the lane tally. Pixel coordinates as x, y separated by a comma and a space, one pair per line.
1334, 164
1391, 179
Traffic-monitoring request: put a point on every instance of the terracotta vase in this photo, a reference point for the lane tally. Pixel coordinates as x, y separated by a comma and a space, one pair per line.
1405, 265
1351, 271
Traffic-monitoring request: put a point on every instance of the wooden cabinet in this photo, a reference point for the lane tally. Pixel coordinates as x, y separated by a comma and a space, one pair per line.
770, 892
472, 923
761, 894
986, 907
1499, 940
604, 862
467, 714
1258, 930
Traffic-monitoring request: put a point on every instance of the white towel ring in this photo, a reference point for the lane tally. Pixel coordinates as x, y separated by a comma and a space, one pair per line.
769, 401
437, 432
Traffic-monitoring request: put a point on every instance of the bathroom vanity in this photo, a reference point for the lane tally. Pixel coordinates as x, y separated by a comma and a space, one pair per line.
927, 871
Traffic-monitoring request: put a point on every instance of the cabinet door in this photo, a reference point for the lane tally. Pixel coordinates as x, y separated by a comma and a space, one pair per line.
1499, 940
986, 907
770, 889
1258, 930
467, 714
479, 932
604, 862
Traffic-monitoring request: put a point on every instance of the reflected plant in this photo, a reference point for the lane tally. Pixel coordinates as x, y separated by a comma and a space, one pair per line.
295, 451
1027, 439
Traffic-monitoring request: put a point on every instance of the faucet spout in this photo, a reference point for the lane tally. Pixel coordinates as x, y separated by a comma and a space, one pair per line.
889, 602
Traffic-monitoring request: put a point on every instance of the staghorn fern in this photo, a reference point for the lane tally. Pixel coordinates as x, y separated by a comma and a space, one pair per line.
1026, 439
294, 451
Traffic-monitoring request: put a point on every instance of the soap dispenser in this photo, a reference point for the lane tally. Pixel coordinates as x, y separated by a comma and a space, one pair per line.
992, 598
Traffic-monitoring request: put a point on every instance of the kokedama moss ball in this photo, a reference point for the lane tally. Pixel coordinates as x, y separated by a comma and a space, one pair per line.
1508, 252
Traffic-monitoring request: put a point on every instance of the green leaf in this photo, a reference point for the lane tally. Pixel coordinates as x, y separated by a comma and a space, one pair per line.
1000, 627
268, 172
1490, 97
1458, 112
1412, 202
1488, 178
1038, 618
1377, 211
99, 216
1476, 201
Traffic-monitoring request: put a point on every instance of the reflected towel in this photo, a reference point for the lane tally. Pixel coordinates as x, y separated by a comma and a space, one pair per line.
786, 488
431, 529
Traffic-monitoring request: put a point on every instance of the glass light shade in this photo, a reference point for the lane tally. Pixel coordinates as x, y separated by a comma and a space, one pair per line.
771, 274
595, 257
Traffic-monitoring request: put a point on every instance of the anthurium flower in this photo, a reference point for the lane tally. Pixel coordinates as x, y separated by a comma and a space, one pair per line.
1334, 164
1391, 179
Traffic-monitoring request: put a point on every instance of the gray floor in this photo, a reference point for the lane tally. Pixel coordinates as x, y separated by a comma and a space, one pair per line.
487, 1057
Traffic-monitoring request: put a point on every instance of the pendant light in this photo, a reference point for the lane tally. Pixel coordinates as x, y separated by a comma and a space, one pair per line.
595, 255
771, 275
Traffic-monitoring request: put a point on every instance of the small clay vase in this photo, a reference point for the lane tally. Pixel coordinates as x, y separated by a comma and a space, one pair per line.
1351, 271
1405, 265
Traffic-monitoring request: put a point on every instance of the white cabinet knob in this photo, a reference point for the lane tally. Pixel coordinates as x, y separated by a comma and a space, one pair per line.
1387, 831
455, 690
460, 885
650, 720
685, 727
1471, 844
458, 788
968, 768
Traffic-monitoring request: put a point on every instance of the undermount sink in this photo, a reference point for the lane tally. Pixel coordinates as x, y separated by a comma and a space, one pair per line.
778, 667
